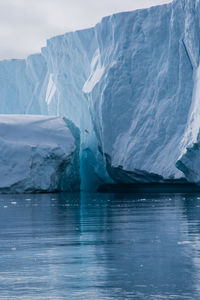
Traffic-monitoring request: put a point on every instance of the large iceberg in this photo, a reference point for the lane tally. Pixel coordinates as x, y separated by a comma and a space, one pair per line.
37, 154
131, 85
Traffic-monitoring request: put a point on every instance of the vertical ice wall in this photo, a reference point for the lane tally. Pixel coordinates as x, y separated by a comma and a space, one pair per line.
189, 159
69, 59
20, 84
140, 106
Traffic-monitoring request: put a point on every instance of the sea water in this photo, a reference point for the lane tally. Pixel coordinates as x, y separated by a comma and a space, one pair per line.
100, 246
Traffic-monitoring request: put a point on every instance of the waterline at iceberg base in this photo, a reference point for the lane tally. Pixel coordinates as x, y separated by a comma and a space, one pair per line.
130, 84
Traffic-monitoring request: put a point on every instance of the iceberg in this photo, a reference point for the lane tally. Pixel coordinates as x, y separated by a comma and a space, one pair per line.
37, 154
131, 84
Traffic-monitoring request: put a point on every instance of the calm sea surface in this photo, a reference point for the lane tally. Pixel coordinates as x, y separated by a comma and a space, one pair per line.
100, 246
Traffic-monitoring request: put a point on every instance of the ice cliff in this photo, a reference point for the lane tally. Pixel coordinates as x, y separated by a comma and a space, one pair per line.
37, 154
131, 85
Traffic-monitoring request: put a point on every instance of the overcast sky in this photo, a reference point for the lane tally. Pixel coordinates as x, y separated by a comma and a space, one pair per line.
26, 24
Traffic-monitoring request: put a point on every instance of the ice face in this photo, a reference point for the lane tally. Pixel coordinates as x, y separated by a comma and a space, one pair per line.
130, 84
20, 84
37, 154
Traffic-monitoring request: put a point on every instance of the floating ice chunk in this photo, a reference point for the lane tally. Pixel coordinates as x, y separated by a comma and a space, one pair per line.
37, 154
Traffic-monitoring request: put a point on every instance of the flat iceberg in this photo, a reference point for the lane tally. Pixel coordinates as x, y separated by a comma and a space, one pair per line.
37, 154
131, 85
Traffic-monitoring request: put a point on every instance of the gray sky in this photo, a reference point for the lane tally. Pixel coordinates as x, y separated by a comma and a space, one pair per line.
26, 24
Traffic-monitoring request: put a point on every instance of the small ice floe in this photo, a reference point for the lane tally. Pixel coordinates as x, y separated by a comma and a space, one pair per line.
5, 206
13, 249
28, 199
184, 243
13, 202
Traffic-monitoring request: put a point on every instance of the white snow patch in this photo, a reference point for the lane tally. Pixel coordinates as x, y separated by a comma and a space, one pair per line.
97, 72
51, 89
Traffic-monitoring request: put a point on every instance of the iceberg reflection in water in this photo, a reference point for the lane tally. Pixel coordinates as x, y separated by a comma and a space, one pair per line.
100, 246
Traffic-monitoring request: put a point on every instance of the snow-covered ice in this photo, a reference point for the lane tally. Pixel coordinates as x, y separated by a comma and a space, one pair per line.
37, 154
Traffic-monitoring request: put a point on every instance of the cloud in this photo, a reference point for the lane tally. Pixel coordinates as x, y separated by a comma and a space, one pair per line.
26, 24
